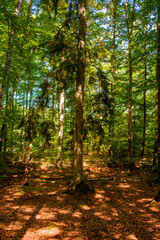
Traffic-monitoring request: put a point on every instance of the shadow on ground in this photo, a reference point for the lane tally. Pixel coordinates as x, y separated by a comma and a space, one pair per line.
119, 209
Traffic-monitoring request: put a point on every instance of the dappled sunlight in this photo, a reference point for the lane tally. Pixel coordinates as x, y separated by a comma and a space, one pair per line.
99, 196
152, 220
77, 214
118, 236
132, 237
119, 209
157, 225
60, 224
52, 193
26, 209
144, 200
124, 185
13, 226
102, 216
131, 204
154, 209
63, 211
72, 235
46, 214
8, 198
85, 207
114, 212
42, 233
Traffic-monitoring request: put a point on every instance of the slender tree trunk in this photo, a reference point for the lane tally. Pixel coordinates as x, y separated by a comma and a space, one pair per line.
78, 149
111, 122
130, 102
130, 30
144, 104
60, 137
157, 141
11, 101
29, 11
55, 105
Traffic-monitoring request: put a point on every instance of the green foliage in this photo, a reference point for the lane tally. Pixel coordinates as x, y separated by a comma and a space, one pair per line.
44, 53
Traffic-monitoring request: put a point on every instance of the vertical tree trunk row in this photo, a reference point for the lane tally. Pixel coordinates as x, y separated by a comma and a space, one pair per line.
8, 57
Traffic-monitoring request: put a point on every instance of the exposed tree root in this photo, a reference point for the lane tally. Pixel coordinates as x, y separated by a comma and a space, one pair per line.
81, 188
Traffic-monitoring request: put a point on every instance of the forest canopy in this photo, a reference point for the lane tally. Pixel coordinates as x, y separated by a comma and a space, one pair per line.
53, 50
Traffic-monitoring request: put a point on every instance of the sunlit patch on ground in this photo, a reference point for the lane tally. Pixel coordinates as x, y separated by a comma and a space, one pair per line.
132, 237
43, 233
77, 214
124, 185
46, 214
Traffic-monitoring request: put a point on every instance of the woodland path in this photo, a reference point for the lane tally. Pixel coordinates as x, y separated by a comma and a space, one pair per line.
119, 210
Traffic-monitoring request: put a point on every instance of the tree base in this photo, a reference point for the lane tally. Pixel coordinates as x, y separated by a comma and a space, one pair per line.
81, 188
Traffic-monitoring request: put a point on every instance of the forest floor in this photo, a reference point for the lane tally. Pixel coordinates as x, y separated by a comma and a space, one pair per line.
119, 209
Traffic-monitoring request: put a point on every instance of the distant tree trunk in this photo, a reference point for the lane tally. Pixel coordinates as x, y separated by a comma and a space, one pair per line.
4, 83
130, 30
12, 93
80, 79
111, 122
29, 11
60, 137
144, 104
157, 141
55, 101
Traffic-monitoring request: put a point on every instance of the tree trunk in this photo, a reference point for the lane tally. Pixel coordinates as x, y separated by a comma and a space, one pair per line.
130, 30
80, 79
111, 122
157, 141
144, 104
60, 137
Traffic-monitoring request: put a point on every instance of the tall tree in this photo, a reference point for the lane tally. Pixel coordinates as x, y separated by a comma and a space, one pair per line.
112, 86
129, 22
144, 97
80, 79
157, 141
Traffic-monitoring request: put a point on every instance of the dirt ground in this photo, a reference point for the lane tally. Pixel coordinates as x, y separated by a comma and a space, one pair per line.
119, 209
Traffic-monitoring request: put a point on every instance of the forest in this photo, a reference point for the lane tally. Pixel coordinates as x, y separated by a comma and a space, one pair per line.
79, 112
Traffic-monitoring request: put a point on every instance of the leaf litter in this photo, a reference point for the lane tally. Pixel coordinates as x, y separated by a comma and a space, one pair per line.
121, 207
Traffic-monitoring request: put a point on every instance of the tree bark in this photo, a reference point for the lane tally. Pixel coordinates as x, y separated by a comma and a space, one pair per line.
144, 103
60, 137
130, 30
111, 122
157, 141
80, 79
